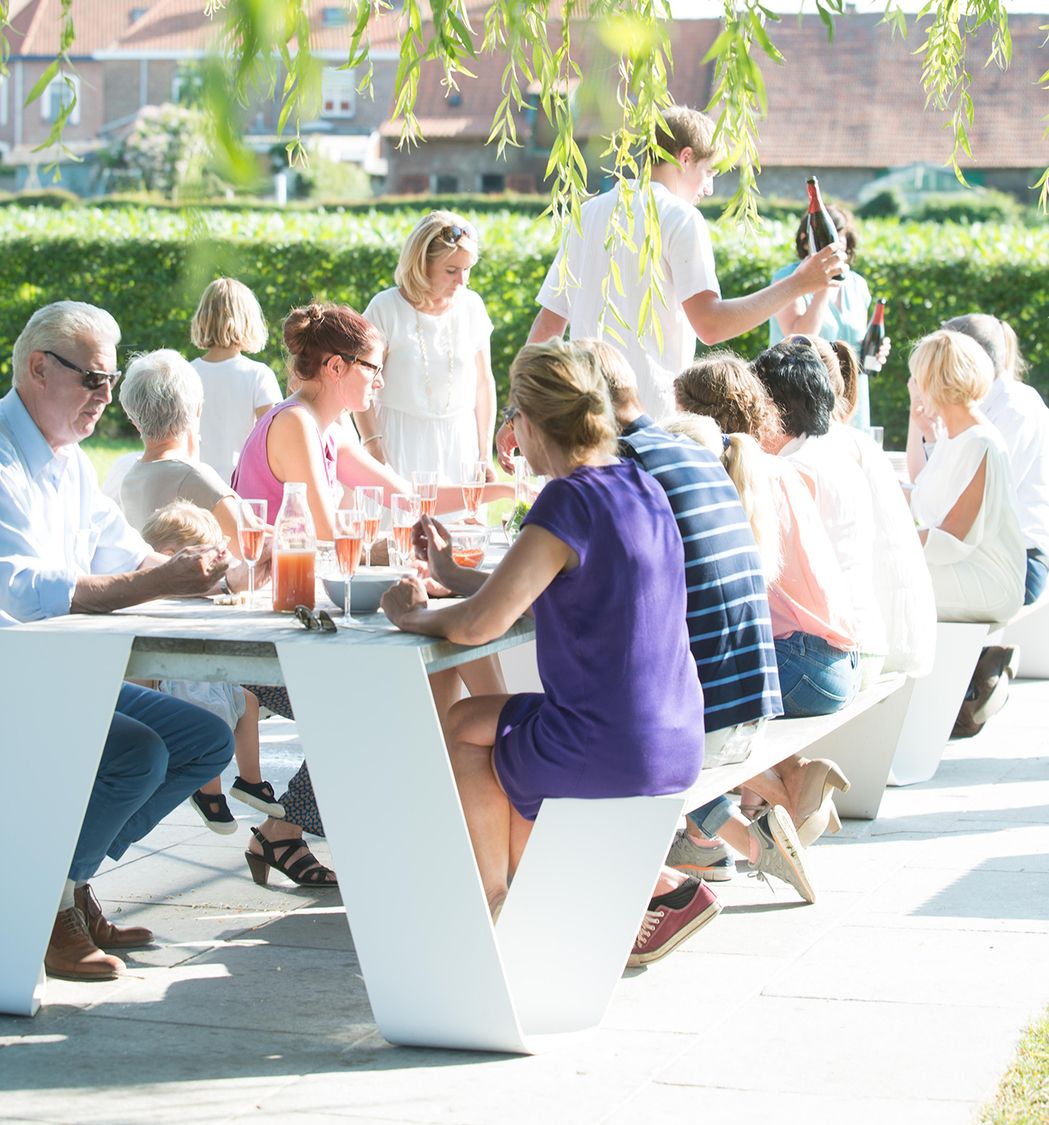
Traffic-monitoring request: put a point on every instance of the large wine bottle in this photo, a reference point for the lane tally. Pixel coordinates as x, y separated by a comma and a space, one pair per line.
819, 226
873, 338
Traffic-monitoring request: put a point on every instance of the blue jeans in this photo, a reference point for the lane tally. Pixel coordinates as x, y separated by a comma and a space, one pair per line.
814, 677
159, 750
1036, 575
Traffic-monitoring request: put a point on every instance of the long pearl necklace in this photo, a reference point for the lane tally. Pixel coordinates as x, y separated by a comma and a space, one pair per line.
427, 384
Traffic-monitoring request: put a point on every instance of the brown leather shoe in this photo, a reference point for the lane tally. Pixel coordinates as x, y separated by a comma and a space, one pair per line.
72, 954
103, 933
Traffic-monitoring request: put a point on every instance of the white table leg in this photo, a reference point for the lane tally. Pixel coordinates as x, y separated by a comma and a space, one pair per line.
400, 846
57, 697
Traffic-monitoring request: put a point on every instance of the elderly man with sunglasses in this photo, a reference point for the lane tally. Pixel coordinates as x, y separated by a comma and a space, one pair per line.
65, 548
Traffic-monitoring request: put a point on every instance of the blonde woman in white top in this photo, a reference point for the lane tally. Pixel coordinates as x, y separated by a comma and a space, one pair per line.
964, 497
437, 408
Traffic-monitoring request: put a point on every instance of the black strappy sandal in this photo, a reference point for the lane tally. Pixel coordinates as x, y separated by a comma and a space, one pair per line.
303, 872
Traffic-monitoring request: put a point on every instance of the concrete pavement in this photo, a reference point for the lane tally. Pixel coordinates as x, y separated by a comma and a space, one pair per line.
898, 996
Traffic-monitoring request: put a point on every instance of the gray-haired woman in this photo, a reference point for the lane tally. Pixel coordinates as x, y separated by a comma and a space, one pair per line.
162, 395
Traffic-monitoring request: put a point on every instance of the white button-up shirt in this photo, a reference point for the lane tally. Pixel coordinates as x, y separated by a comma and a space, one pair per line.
1022, 418
55, 524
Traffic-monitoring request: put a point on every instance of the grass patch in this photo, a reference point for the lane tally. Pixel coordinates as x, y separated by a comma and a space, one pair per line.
1023, 1095
102, 452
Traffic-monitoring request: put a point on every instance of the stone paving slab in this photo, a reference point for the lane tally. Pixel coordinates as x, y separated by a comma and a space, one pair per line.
897, 997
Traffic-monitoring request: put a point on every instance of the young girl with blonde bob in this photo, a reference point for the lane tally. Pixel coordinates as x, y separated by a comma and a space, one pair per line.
237, 390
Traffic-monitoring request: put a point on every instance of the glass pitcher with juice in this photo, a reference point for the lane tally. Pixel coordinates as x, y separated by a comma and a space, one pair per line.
294, 550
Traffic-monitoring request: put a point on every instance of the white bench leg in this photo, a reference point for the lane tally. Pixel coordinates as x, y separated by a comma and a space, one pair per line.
935, 700
864, 748
576, 902
53, 749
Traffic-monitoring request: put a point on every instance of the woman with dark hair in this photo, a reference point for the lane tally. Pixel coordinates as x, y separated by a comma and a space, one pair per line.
837, 313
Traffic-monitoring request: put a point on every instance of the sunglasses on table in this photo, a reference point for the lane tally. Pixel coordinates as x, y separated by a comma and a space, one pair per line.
89, 380
315, 622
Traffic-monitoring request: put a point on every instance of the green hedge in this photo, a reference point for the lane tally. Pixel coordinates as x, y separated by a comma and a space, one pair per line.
149, 267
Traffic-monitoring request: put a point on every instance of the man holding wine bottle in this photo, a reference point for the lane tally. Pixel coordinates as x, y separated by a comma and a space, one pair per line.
65, 548
692, 303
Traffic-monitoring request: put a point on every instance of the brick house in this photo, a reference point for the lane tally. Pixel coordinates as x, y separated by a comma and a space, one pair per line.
129, 55
847, 111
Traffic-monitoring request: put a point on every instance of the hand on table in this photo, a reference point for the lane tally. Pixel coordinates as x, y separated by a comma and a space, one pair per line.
400, 601
193, 570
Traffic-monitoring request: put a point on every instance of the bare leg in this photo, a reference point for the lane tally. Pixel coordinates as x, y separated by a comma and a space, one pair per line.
472, 725
246, 741
445, 688
484, 676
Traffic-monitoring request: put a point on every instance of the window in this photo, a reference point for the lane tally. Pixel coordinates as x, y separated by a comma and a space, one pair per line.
338, 93
492, 182
334, 17
58, 95
446, 185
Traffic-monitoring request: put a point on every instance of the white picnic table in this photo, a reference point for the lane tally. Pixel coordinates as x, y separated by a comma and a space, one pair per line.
434, 971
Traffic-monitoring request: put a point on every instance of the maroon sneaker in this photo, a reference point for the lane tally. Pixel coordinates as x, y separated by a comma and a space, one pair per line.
670, 919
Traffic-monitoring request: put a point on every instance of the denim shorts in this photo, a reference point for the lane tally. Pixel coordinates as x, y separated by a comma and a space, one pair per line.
814, 677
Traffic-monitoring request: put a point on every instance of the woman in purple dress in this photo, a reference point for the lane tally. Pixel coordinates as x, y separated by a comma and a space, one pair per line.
599, 561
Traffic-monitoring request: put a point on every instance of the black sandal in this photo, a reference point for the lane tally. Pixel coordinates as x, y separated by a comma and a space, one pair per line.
306, 871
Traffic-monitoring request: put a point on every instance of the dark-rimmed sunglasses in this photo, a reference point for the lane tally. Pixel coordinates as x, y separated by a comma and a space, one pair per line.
315, 622
509, 414
374, 368
453, 233
89, 380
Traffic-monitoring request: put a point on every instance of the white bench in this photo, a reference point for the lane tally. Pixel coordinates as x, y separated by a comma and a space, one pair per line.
1029, 630
861, 739
935, 700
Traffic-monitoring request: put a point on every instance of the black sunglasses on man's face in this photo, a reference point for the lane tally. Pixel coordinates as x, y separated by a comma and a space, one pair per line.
89, 380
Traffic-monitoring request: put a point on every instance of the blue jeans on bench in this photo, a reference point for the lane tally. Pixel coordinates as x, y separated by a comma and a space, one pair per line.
814, 677
1036, 575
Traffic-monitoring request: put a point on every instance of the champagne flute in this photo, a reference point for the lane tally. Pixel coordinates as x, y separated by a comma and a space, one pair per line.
349, 536
251, 531
404, 513
472, 475
424, 485
368, 501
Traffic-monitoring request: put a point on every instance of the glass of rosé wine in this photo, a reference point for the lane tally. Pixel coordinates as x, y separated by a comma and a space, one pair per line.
368, 501
472, 475
251, 532
349, 539
424, 485
404, 514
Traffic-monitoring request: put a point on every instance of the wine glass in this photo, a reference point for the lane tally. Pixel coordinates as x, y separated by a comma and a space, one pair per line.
368, 501
349, 537
472, 475
424, 485
251, 531
404, 512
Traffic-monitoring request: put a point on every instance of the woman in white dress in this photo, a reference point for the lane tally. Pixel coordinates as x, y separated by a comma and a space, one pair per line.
963, 498
437, 408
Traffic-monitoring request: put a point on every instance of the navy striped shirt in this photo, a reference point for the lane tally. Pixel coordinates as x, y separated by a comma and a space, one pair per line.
729, 625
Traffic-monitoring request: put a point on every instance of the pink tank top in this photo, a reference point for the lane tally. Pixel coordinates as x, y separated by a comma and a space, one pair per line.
253, 478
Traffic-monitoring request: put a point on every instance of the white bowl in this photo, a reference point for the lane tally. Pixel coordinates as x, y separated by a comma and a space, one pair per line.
368, 587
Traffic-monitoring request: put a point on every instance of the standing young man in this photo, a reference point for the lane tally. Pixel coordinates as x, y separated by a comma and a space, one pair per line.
693, 304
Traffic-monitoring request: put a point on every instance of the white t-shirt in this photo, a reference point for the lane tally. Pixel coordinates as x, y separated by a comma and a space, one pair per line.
234, 389
1022, 418
688, 268
430, 369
